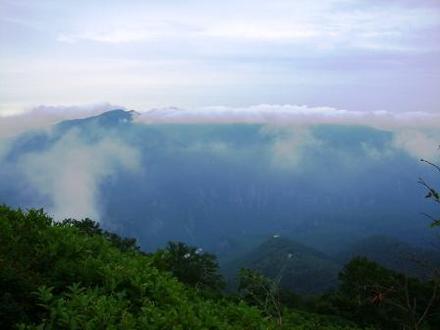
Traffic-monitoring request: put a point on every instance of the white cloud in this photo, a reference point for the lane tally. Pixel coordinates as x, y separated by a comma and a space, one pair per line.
413, 132
338, 52
288, 114
44, 116
115, 36
335, 23
289, 144
418, 143
376, 153
70, 172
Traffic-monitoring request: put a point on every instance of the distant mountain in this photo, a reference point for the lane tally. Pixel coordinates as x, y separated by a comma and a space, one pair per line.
303, 269
216, 186
107, 119
393, 254
296, 266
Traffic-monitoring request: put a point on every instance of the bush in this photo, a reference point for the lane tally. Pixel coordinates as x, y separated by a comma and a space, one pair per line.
72, 275
190, 266
56, 276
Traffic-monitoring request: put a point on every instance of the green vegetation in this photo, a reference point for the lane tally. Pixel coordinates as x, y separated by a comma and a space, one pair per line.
370, 294
394, 254
73, 275
190, 266
294, 266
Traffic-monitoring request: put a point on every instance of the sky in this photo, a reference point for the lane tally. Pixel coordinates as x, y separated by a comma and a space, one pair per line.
359, 55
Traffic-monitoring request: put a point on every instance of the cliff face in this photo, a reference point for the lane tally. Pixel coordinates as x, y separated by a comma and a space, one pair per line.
213, 184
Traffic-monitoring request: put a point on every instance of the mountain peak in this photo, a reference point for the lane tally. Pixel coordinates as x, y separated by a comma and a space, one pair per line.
109, 118
114, 116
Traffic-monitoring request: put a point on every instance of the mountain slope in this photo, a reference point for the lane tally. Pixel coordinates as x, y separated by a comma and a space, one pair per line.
106, 119
296, 266
393, 254
212, 184
61, 276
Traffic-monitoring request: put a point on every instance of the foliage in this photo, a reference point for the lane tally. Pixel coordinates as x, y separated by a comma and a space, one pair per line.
432, 193
190, 265
276, 303
394, 254
71, 275
294, 266
260, 291
370, 294
90, 227
55, 276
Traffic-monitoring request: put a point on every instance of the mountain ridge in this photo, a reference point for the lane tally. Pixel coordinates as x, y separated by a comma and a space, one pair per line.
106, 119
296, 266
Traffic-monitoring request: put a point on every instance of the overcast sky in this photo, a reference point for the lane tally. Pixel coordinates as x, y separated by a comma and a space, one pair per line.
350, 54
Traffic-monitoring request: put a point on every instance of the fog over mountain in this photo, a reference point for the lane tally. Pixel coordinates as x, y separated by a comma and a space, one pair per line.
217, 178
225, 164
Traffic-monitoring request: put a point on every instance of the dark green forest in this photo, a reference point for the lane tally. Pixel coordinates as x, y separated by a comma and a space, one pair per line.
75, 275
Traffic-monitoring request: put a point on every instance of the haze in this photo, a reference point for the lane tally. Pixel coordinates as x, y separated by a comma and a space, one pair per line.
348, 54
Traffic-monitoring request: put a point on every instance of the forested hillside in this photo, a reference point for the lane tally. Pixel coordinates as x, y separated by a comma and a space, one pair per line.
394, 254
75, 275
296, 267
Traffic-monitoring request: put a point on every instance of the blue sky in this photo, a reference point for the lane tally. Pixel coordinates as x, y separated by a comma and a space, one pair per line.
349, 54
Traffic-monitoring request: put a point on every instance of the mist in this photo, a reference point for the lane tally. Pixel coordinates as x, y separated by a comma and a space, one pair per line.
184, 174
68, 172
179, 163
44, 117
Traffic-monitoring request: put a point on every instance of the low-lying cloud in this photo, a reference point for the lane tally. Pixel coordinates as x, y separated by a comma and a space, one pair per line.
418, 143
70, 172
289, 144
44, 116
413, 132
288, 114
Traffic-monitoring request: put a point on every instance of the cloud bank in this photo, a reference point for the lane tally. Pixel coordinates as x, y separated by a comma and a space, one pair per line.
44, 116
71, 171
289, 114
417, 133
